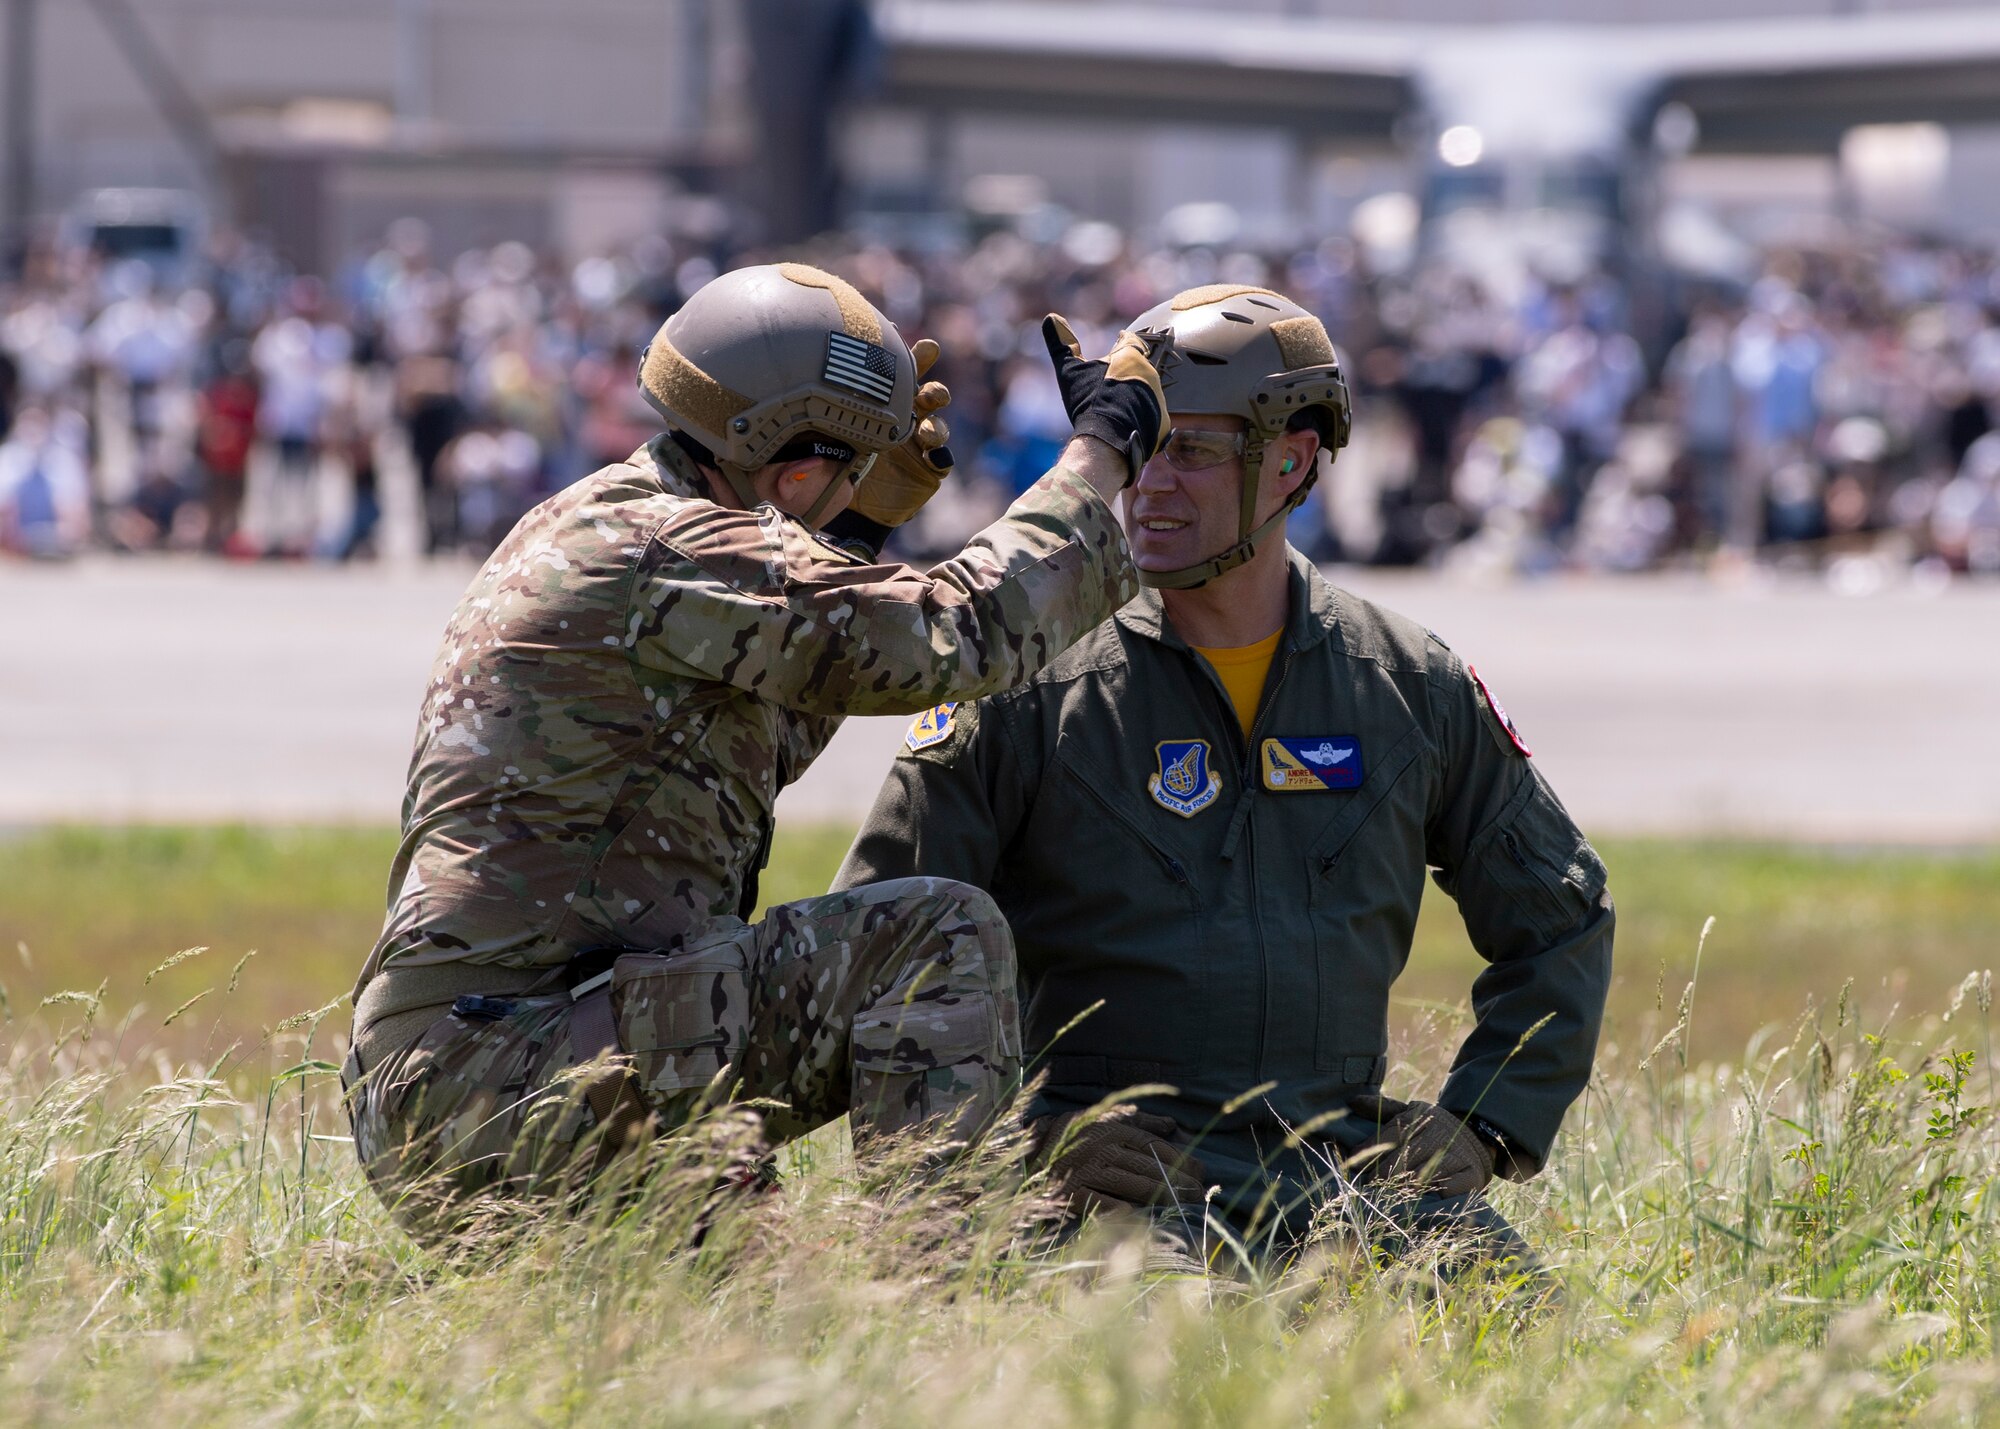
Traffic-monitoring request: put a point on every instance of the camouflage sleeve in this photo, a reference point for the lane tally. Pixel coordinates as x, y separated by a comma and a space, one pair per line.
1532, 893
755, 600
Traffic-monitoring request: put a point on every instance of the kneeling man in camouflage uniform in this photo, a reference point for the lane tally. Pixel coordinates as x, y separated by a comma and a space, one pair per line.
630, 680
1266, 766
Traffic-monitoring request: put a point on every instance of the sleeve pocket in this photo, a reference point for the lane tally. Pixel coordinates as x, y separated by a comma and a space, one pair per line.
1538, 857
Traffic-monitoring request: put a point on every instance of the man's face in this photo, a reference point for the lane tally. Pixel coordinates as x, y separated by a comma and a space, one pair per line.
1176, 517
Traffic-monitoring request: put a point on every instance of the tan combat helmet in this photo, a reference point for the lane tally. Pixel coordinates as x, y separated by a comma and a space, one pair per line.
1250, 353
762, 356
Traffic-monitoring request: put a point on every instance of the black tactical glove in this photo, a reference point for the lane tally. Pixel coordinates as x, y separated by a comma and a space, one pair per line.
906, 476
1118, 400
1432, 1150
1122, 1159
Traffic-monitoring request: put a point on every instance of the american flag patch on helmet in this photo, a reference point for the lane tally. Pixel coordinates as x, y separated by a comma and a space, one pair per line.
860, 366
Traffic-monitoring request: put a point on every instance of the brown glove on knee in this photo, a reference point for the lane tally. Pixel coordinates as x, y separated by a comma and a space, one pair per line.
1432, 1149
1122, 1159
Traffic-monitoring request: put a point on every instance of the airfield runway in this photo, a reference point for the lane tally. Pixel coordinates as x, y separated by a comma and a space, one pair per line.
158, 690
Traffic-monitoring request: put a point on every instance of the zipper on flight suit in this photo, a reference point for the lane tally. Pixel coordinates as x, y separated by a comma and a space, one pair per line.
1239, 819
1251, 785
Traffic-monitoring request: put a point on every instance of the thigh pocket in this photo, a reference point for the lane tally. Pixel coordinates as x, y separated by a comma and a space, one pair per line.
456, 1102
684, 1017
925, 1034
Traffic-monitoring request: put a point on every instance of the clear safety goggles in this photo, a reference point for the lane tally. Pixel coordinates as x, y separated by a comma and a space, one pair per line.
1191, 449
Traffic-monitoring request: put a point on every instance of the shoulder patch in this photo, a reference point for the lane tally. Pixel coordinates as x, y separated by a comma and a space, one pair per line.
933, 726
1504, 722
933, 731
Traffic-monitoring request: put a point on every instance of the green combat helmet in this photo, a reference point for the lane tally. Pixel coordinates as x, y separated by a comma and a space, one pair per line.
763, 356
1250, 353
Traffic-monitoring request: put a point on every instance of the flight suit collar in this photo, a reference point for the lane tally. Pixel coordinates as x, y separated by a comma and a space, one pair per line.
1312, 609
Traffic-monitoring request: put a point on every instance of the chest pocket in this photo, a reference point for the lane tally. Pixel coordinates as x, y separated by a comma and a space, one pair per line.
1367, 871
1093, 805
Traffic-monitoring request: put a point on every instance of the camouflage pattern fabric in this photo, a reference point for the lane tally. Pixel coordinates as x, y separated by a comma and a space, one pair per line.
636, 673
894, 1002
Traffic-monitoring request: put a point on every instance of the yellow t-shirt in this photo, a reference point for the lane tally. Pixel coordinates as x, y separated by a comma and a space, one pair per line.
1243, 668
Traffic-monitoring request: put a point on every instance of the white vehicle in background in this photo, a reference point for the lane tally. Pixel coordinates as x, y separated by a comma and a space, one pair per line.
163, 228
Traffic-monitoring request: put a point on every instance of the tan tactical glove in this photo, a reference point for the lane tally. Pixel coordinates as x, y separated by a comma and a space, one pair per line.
906, 476
1117, 399
1122, 1159
1433, 1150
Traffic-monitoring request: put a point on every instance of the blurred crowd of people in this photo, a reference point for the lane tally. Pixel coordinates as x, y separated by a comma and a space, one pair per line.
1845, 403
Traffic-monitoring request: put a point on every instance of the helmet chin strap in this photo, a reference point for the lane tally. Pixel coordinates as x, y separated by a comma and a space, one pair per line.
850, 478
739, 479
1188, 577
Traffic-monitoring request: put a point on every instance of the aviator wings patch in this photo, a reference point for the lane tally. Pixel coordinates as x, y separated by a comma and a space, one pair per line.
1312, 763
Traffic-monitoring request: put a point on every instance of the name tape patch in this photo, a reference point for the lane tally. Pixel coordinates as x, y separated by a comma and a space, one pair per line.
933, 726
1312, 763
1184, 784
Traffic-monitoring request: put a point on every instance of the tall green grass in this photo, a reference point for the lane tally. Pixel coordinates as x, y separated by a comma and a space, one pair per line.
1804, 1235
1773, 1205
106, 906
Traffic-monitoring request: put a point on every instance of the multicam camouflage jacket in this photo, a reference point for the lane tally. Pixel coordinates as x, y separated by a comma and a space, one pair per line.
637, 672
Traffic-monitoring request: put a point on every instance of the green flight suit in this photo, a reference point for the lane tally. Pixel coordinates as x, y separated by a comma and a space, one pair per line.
1238, 934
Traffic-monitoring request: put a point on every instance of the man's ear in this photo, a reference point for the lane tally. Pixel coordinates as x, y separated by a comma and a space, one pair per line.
1296, 453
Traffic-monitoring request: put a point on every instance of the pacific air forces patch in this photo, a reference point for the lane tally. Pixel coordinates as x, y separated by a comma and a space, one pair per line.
931, 727
1500, 715
1185, 783
1308, 765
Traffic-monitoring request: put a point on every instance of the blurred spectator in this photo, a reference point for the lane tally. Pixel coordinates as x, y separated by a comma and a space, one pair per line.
491, 471
146, 342
432, 414
1843, 402
357, 415
228, 427
1701, 386
1966, 520
296, 358
10, 389
44, 494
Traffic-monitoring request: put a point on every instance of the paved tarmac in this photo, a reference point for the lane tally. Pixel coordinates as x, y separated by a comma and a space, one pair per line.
152, 689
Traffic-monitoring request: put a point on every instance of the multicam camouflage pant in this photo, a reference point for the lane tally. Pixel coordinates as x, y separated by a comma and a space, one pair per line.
894, 1002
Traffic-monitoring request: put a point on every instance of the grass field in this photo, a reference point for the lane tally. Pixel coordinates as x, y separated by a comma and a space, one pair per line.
98, 906
1799, 1230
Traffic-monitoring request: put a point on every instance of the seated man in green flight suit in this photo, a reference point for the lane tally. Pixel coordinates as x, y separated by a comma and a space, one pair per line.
1210, 820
